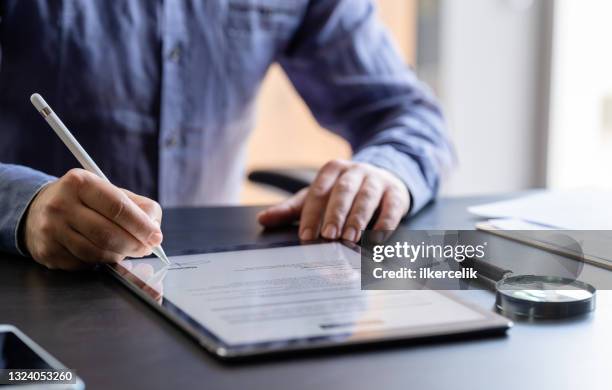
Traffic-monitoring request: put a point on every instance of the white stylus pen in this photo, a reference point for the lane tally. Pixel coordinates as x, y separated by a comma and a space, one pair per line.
77, 150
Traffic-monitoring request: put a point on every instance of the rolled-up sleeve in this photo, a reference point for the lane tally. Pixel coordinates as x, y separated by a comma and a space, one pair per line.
345, 66
18, 186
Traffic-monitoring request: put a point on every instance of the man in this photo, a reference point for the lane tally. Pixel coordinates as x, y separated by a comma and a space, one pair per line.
161, 95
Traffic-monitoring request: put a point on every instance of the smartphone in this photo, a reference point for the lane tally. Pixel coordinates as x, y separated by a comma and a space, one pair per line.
26, 365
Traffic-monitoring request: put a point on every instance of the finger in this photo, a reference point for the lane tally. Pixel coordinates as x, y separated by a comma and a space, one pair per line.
284, 212
105, 234
364, 207
316, 199
149, 206
340, 202
87, 252
392, 209
60, 258
116, 206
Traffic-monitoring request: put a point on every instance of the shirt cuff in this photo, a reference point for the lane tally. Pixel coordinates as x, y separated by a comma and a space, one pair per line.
18, 187
404, 167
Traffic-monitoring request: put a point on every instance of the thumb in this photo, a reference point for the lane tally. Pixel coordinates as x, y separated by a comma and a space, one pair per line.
285, 212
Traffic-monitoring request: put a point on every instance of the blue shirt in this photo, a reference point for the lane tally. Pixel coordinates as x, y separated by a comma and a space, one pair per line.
161, 93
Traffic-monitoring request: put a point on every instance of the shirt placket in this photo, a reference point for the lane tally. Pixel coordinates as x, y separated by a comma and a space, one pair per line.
171, 115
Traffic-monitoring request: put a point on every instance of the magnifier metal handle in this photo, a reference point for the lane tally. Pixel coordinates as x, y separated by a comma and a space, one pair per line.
486, 269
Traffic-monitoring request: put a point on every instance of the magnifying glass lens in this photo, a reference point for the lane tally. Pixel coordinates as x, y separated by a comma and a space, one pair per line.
549, 294
544, 296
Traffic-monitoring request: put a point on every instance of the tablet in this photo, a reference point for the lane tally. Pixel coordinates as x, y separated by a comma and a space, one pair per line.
280, 298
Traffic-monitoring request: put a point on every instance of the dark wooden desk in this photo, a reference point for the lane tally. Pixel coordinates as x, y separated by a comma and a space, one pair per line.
96, 326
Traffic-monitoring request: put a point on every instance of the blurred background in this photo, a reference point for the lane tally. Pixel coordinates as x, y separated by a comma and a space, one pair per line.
526, 86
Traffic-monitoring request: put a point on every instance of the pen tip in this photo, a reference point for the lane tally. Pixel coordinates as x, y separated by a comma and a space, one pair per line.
159, 252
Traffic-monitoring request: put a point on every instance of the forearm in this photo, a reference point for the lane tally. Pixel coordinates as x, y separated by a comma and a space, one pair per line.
413, 145
346, 67
18, 186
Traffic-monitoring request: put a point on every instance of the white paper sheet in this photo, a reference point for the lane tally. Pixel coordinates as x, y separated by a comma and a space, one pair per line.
594, 247
291, 292
516, 224
572, 210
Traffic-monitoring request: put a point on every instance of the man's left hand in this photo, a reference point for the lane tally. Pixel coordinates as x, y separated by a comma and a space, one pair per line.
342, 201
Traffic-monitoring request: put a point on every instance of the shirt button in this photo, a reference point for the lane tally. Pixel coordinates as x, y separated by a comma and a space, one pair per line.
175, 54
171, 141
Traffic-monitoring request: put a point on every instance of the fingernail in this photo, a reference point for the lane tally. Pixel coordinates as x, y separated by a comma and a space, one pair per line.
307, 235
155, 239
350, 234
330, 231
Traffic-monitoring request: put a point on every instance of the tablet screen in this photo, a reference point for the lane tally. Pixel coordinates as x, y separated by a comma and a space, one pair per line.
280, 296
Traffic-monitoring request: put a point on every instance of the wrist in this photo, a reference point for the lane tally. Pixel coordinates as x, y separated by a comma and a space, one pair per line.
22, 225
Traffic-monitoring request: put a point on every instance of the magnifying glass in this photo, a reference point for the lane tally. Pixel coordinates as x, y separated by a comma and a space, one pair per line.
536, 296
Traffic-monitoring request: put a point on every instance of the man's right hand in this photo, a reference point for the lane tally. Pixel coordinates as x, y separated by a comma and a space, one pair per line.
80, 220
